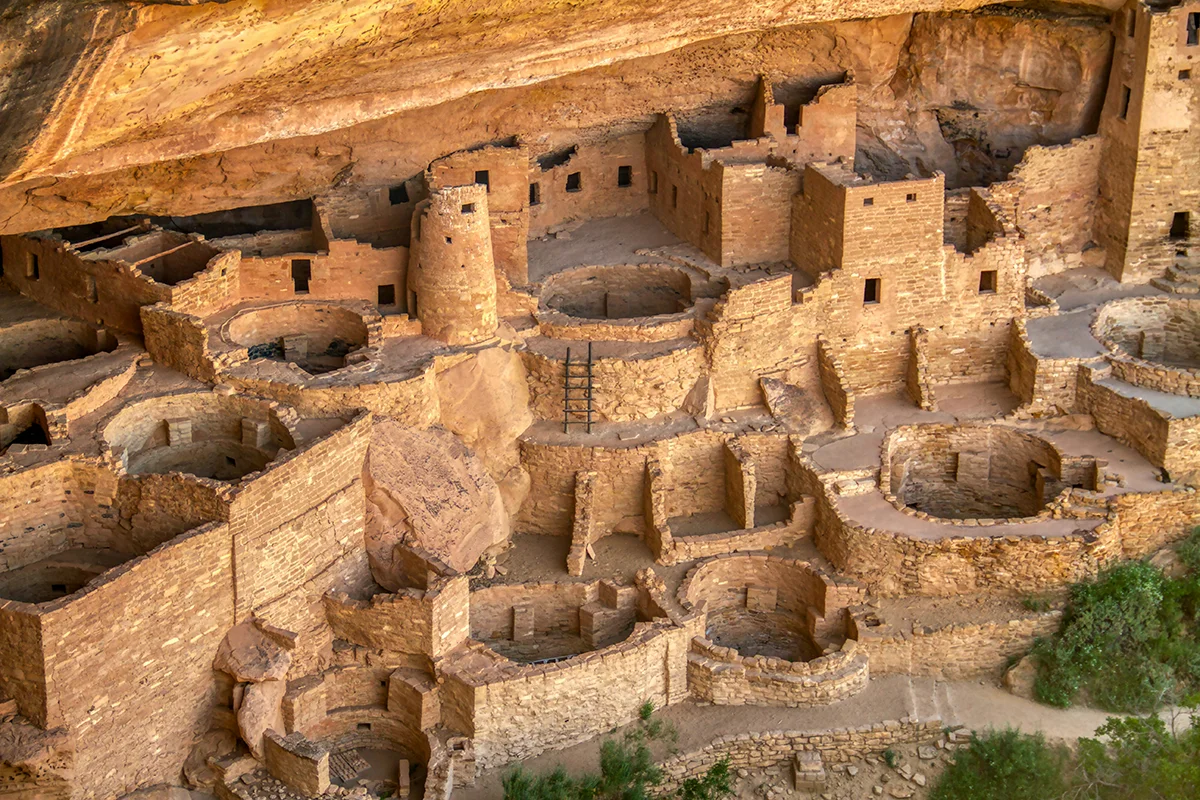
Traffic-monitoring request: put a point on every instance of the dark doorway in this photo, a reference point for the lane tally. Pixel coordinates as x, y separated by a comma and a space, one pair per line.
387, 294
301, 274
1181, 223
624, 177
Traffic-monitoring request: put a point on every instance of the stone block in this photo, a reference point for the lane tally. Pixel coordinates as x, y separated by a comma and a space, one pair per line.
179, 431
808, 771
297, 762
403, 779
295, 348
255, 433
523, 622
761, 598
413, 696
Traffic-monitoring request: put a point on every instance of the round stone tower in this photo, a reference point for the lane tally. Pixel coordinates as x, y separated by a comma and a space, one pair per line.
451, 273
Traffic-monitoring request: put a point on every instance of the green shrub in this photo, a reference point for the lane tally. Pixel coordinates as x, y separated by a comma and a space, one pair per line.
1128, 639
1003, 765
628, 771
716, 784
1140, 758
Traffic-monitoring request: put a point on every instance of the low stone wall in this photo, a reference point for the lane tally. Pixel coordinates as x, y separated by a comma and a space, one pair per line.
516, 711
949, 652
834, 383
1166, 441
1044, 385
799, 524
661, 328
759, 749
625, 387
895, 564
722, 676
427, 622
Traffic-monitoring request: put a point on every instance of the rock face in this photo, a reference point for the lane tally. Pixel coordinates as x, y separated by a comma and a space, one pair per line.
250, 657
260, 711
426, 490
485, 400
111, 109
1020, 678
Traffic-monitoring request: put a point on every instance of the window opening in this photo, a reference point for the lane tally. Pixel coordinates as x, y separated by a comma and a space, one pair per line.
871, 291
987, 281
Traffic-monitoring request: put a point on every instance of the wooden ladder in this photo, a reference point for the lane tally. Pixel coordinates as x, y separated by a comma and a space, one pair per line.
577, 392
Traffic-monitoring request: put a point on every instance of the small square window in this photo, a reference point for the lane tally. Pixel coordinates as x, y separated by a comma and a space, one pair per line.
574, 182
364, 726
398, 195
868, 201
872, 291
1126, 96
449, 240
1185, 74
468, 208
481, 176
653, 182
987, 281
911, 197
387, 294
535, 194
624, 177
31, 267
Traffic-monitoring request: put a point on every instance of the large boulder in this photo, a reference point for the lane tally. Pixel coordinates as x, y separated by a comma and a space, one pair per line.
1020, 677
250, 656
485, 400
427, 491
261, 710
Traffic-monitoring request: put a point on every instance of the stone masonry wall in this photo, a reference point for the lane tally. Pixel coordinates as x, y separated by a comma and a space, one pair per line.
951, 652
758, 749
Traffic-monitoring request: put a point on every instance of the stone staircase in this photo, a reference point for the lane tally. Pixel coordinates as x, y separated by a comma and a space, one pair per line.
1182, 277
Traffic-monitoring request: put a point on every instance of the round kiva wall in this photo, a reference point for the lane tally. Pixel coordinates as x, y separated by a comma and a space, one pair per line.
967, 471
314, 336
618, 292
198, 433
49, 341
1160, 330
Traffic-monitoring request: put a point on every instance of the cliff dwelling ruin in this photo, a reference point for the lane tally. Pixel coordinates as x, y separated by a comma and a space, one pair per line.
432, 385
